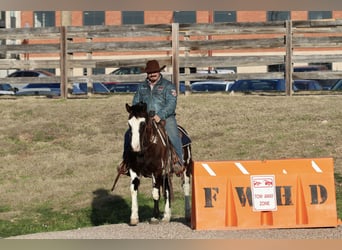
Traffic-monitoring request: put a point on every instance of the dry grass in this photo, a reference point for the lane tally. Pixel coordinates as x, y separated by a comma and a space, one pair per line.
58, 152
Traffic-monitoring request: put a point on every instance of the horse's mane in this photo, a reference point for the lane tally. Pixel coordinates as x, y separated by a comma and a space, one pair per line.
138, 110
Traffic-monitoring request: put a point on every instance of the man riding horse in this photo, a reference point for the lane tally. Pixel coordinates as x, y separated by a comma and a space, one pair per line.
154, 144
160, 95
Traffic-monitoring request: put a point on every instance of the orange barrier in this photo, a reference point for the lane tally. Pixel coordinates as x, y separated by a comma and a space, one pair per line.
291, 193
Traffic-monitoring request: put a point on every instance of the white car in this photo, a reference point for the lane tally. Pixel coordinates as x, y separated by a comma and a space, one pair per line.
6, 89
211, 86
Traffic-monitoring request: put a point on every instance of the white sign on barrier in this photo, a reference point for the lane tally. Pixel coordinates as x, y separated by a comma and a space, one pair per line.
263, 193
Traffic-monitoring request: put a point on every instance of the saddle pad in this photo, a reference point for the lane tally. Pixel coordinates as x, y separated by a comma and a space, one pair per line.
186, 140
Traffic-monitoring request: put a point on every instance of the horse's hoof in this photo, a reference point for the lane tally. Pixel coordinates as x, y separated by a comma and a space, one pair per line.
166, 220
154, 221
134, 222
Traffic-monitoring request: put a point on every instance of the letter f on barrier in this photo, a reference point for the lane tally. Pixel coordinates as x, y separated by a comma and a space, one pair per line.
210, 195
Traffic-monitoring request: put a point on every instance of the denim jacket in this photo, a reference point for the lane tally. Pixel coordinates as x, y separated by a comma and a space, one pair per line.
162, 98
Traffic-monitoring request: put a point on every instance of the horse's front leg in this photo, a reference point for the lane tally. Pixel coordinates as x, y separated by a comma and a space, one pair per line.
156, 198
135, 182
167, 209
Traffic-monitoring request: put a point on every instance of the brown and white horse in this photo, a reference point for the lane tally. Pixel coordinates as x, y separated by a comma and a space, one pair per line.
151, 155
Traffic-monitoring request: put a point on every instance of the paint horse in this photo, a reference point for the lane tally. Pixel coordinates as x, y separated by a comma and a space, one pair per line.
151, 155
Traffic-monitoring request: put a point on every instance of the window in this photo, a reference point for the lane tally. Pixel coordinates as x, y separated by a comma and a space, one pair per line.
133, 17
184, 16
276, 68
93, 17
320, 14
278, 15
13, 19
98, 71
44, 19
224, 16
2, 19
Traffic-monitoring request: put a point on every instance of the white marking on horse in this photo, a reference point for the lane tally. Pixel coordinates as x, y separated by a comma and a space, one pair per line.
155, 191
134, 197
167, 209
135, 128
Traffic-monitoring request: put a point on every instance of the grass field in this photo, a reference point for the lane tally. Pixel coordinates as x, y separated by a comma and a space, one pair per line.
58, 157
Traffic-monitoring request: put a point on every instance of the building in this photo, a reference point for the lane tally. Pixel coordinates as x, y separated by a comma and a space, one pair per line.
12, 19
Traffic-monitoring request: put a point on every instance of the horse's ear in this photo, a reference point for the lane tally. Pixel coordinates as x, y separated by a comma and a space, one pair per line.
128, 108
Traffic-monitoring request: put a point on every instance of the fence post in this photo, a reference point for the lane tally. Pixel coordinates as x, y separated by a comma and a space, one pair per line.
175, 55
63, 62
288, 58
89, 71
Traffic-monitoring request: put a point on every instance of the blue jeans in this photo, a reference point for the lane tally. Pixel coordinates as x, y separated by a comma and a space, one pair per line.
173, 133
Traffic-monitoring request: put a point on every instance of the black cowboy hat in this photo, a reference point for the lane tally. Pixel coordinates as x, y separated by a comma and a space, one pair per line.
153, 66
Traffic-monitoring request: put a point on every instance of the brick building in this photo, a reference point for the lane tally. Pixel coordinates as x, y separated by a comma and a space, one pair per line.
79, 18
11, 19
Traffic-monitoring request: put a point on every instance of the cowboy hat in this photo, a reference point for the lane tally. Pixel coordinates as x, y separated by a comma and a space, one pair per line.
153, 66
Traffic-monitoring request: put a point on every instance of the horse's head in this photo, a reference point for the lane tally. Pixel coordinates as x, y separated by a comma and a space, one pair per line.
137, 120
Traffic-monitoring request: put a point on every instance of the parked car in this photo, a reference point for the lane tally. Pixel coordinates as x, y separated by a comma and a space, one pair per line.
261, 85
326, 83
131, 87
122, 87
217, 71
308, 85
81, 88
128, 70
47, 89
132, 70
30, 73
7, 89
309, 68
337, 86
210, 86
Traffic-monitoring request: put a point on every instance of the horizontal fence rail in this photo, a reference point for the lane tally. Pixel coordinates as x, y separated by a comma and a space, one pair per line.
251, 44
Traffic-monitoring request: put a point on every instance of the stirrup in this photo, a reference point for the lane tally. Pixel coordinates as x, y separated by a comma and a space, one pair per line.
178, 168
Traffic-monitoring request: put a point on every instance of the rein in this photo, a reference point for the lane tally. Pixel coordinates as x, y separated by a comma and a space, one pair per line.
159, 133
145, 142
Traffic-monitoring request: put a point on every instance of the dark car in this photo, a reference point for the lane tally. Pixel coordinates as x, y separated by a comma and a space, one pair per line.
210, 86
309, 68
308, 85
337, 86
259, 85
30, 73
128, 70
